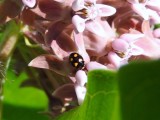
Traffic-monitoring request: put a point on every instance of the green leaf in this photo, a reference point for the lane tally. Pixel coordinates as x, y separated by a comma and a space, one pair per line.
140, 91
133, 93
101, 102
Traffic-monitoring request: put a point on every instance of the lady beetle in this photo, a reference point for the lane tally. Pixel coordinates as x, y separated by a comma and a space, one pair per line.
76, 60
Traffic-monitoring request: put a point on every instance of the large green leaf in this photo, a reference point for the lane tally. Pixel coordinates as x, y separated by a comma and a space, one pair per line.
140, 91
101, 102
133, 93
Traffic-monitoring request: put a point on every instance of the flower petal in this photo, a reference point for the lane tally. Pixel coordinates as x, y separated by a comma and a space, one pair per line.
141, 10
154, 16
79, 23
120, 45
105, 10
128, 37
60, 53
45, 8
95, 65
136, 50
153, 4
96, 28
151, 47
156, 33
51, 62
29, 3
81, 92
81, 78
146, 29
78, 39
66, 93
114, 59
56, 30
78, 5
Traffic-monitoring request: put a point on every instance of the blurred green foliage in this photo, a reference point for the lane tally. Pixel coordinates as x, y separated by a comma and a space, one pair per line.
20, 102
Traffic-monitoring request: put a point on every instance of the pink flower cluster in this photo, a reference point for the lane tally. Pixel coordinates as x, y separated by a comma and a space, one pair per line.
106, 33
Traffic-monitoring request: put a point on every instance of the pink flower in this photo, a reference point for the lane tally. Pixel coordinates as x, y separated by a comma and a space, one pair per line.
97, 45
59, 62
80, 78
148, 9
123, 48
88, 11
149, 43
62, 66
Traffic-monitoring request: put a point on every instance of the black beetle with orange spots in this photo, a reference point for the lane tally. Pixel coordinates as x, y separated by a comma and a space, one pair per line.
76, 61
